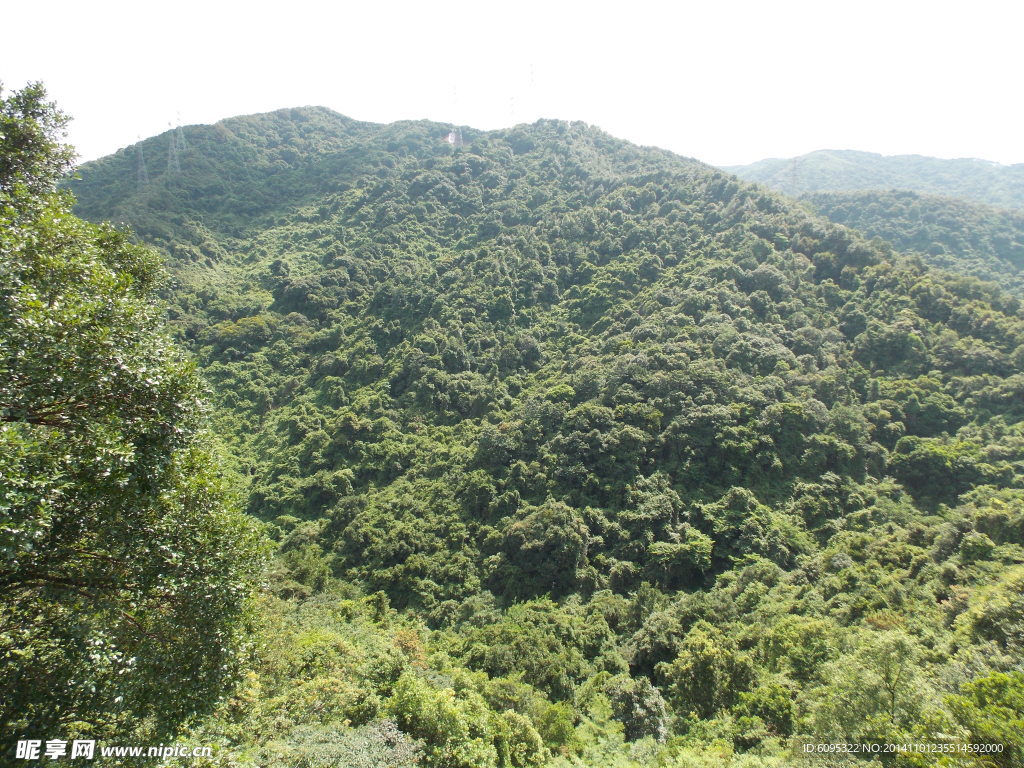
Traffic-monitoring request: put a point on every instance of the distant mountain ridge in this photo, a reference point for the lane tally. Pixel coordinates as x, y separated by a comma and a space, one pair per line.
847, 170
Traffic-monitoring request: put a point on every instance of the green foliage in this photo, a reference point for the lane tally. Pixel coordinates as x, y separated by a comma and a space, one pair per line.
992, 710
941, 470
551, 648
547, 550
455, 729
609, 436
377, 745
963, 237
639, 706
874, 693
124, 569
708, 673
32, 156
998, 610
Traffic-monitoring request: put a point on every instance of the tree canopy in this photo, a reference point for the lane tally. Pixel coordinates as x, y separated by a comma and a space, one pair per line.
957, 235
125, 570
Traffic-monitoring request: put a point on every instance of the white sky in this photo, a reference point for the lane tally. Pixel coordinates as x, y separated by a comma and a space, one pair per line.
727, 82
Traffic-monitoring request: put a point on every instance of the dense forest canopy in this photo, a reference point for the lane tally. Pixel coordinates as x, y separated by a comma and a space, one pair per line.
579, 453
830, 170
956, 235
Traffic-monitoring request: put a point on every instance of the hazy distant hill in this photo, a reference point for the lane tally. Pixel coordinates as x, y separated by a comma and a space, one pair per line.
961, 236
846, 170
638, 449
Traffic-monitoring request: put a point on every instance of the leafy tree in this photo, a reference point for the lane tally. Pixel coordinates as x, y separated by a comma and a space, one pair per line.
546, 549
124, 570
708, 674
992, 710
639, 706
376, 745
456, 731
874, 693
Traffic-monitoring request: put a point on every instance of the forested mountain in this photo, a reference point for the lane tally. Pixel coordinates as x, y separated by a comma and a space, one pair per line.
580, 453
234, 177
832, 170
963, 237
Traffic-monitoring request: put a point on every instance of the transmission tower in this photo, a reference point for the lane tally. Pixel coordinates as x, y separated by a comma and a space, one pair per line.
143, 174
182, 145
455, 137
173, 164
455, 134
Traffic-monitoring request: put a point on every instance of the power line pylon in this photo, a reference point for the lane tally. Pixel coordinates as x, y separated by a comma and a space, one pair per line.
143, 174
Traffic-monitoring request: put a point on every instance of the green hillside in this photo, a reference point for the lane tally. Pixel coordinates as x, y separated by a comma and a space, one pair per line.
580, 453
233, 178
963, 237
846, 170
